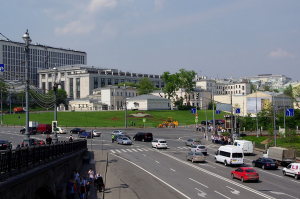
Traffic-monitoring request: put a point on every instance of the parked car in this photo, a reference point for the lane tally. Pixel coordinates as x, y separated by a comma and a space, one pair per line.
292, 169
265, 163
77, 130
245, 174
9, 112
140, 136
159, 143
117, 132
199, 148
211, 122
5, 144
96, 133
32, 130
192, 142
44, 128
195, 157
123, 140
84, 134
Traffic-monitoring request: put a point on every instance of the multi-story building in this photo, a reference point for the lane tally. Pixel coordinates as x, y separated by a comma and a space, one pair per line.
12, 55
80, 80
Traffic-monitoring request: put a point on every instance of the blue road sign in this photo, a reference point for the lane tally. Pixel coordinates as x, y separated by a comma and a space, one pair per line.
289, 112
218, 112
2, 67
193, 110
19, 117
237, 110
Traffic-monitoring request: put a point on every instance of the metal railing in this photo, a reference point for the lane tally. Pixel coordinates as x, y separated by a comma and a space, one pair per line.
18, 159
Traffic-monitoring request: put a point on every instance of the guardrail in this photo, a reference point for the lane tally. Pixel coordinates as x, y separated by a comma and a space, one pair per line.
18, 159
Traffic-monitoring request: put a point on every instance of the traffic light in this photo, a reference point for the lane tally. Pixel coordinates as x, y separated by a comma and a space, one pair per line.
54, 126
197, 96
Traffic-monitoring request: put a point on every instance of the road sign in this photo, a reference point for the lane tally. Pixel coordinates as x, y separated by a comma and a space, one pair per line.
289, 112
218, 112
19, 117
196, 114
2, 67
144, 119
237, 110
196, 120
196, 117
193, 110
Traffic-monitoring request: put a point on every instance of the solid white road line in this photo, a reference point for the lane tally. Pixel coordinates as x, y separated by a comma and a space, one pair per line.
198, 182
295, 181
172, 169
139, 149
154, 176
222, 195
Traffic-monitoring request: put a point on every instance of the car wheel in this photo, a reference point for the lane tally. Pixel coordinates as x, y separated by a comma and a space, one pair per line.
143, 140
263, 167
232, 176
242, 179
296, 177
253, 164
284, 173
225, 163
216, 161
193, 160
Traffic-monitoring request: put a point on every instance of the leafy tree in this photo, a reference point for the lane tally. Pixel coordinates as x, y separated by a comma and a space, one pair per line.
276, 90
267, 88
4, 90
172, 83
289, 91
252, 87
61, 96
187, 81
145, 86
210, 107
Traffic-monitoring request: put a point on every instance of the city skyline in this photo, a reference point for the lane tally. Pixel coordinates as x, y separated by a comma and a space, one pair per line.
215, 39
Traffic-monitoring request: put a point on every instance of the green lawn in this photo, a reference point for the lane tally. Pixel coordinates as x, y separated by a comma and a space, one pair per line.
110, 118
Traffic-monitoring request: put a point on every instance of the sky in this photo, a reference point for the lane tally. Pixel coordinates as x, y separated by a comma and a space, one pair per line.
215, 38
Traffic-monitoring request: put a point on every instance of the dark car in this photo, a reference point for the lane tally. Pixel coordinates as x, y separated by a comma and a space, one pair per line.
265, 163
220, 121
84, 134
32, 142
204, 122
5, 144
140, 136
77, 130
32, 130
9, 112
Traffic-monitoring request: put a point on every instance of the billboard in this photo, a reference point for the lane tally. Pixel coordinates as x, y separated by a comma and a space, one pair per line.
262, 103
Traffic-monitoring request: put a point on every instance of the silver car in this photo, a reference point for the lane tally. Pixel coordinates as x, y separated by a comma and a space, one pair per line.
195, 157
199, 148
96, 133
123, 140
118, 132
192, 142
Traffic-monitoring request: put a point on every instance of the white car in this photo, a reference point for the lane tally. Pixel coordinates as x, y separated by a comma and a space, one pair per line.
96, 133
118, 132
61, 130
159, 143
292, 169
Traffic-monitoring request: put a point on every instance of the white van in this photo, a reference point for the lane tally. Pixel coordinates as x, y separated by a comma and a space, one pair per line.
292, 169
246, 145
230, 155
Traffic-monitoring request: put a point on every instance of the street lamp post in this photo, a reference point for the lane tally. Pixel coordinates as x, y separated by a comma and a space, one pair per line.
27, 40
1, 108
55, 139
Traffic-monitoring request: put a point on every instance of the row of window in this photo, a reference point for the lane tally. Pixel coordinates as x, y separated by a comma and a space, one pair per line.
121, 94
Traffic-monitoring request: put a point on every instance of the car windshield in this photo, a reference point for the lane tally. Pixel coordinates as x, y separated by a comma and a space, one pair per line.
237, 155
199, 154
249, 170
162, 142
125, 138
269, 160
201, 147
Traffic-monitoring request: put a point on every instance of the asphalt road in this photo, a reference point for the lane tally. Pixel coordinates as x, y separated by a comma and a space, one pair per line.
165, 173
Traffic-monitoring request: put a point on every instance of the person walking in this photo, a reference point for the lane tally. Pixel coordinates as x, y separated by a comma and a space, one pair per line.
48, 140
72, 191
212, 138
82, 191
69, 184
112, 138
100, 183
229, 141
91, 175
87, 189
71, 138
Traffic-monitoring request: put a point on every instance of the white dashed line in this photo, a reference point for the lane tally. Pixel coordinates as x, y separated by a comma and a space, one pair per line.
271, 173
156, 161
144, 155
222, 195
198, 182
172, 169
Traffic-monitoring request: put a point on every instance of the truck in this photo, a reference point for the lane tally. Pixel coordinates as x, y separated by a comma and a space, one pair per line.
34, 124
44, 128
280, 155
246, 145
19, 110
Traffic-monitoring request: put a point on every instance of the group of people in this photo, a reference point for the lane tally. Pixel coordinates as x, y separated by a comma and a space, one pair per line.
82, 184
220, 139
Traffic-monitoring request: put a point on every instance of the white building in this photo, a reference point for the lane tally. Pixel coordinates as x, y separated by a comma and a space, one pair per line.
148, 102
80, 80
12, 55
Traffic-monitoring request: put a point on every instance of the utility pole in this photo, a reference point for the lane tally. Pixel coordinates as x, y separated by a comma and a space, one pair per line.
213, 104
55, 86
256, 117
125, 101
206, 118
231, 119
1, 106
284, 112
274, 119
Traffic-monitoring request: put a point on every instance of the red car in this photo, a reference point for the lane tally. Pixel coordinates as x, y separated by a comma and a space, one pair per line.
245, 174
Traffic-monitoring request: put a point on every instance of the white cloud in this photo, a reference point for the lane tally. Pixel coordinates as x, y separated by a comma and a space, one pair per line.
75, 27
96, 5
281, 54
159, 4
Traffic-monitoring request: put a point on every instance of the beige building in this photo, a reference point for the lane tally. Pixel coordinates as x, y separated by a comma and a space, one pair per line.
148, 102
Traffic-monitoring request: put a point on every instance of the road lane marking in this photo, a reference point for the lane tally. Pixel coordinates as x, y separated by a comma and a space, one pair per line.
206, 165
295, 181
144, 155
154, 176
123, 150
134, 150
139, 149
129, 150
236, 192
280, 193
145, 149
113, 151
118, 151
202, 194
220, 177
172, 169
271, 173
222, 195
198, 182
156, 161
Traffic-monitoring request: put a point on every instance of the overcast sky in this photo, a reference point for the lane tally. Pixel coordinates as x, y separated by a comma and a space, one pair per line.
212, 37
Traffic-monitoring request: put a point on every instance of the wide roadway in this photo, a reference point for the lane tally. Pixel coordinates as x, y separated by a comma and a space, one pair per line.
153, 172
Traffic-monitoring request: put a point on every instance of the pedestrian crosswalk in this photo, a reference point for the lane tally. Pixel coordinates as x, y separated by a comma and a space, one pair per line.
131, 150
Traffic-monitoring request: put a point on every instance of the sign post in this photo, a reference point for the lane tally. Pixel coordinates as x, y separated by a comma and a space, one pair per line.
289, 112
19, 121
144, 120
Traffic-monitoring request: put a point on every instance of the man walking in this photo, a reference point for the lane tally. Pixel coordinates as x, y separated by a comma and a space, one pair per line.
100, 183
113, 138
48, 140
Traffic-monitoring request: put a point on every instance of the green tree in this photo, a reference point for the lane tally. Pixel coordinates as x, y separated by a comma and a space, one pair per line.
187, 81
4, 90
289, 91
276, 90
145, 86
267, 88
252, 87
172, 83
61, 96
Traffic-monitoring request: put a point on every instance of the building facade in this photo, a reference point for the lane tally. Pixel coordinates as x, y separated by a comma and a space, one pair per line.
12, 55
148, 102
79, 81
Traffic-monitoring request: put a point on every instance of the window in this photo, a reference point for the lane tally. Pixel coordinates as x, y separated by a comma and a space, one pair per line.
77, 88
116, 81
44, 86
121, 94
109, 81
112, 93
239, 86
49, 86
62, 74
102, 82
62, 84
242, 87
71, 87
95, 82
118, 95
43, 76
49, 75
122, 80
162, 84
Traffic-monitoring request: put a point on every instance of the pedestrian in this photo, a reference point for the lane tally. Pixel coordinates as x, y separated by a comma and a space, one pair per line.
229, 141
69, 184
112, 138
212, 138
100, 183
48, 140
82, 191
96, 177
85, 176
73, 191
76, 175
87, 189
91, 175
204, 135
70, 138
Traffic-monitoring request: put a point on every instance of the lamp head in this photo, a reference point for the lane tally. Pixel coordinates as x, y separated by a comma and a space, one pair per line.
26, 38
